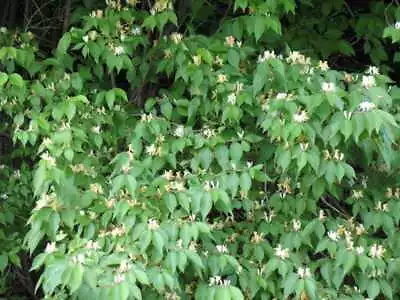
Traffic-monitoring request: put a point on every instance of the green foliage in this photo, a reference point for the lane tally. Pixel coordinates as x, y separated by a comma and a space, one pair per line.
250, 175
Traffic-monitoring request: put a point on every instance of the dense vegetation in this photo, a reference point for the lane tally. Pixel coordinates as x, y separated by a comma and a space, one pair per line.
243, 149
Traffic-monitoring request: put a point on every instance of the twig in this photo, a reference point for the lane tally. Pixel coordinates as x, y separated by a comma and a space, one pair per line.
27, 10
334, 208
349, 9
67, 15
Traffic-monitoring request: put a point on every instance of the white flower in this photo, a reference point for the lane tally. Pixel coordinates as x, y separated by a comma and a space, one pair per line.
304, 146
216, 280
50, 247
197, 60
124, 267
328, 87
96, 188
176, 37
3, 29
282, 253
323, 65
95, 129
179, 131
267, 55
222, 248
221, 78
347, 114
300, 117
382, 207
85, 38
119, 50
17, 174
239, 87
360, 250
178, 186
208, 133
47, 157
169, 175
78, 259
366, 106
281, 96
338, 155
192, 246
296, 225
92, 245
136, 30
226, 282
92, 35
333, 236
372, 70
360, 229
397, 25
357, 194
368, 81
232, 99
296, 57
230, 40
303, 272
376, 251
151, 150
4, 196
118, 278
153, 224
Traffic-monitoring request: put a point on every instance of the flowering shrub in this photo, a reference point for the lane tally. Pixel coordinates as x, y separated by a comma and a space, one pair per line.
250, 174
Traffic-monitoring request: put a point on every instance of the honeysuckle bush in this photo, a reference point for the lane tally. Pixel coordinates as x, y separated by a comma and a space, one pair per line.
252, 174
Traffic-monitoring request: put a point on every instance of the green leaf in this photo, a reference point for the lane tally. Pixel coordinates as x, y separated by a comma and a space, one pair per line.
233, 58
166, 109
345, 48
131, 184
206, 205
387, 290
289, 285
145, 240
70, 110
117, 184
259, 27
135, 291
205, 157
236, 152
260, 78
64, 44
349, 262
284, 159
158, 241
39, 179
330, 172
16, 80
3, 78
141, 276
222, 293
245, 182
311, 288
170, 202
110, 98
346, 128
236, 294
69, 154
76, 277
222, 156
37, 262
3, 262
373, 289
